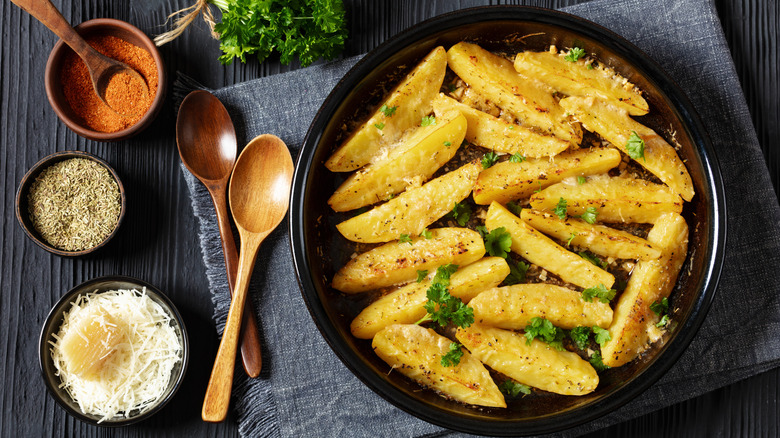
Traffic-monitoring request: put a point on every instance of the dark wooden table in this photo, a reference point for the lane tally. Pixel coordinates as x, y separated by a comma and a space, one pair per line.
158, 240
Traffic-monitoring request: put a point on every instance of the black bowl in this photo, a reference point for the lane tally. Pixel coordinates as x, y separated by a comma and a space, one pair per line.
316, 245
52, 325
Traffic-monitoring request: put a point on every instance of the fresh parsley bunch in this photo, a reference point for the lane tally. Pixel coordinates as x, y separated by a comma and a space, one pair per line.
308, 29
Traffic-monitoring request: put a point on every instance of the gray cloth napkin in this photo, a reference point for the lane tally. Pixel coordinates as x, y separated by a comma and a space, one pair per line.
306, 391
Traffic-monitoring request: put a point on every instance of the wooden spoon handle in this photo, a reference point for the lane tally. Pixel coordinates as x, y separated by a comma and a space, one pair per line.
45, 12
217, 400
250, 335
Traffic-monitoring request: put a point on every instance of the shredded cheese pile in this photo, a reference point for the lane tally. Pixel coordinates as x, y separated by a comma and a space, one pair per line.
138, 373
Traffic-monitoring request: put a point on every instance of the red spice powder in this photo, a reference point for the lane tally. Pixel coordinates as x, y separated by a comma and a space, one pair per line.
123, 92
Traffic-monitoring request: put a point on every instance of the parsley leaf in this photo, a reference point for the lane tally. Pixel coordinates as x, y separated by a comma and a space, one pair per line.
428, 121
635, 146
308, 30
405, 238
574, 54
593, 259
560, 209
663, 322
427, 234
421, 275
513, 389
590, 215
517, 273
571, 237
380, 126
660, 307
441, 307
581, 180
544, 330
498, 242
444, 272
580, 336
514, 207
483, 231
602, 335
461, 212
540, 187
388, 111
453, 356
597, 362
516, 158
601, 292
589, 66
448, 143
489, 159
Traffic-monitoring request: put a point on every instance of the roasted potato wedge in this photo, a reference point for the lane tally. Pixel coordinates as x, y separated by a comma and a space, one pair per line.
413, 162
405, 305
513, 307
413, 210
538, 364
620, 199
615, 126
599, 239
411, 99
398, 262
542, 251
633, 327
416, 352
527, 100
507, 181
576, 79
499, 135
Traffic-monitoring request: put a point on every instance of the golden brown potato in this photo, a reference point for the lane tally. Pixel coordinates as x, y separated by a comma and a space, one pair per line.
398, 262
633, 327
599, 239
538, 365
495, 78
542, 251
416, 352
411, 99
413, 210
414, 161
507, 181
405, 305
513, 307
618, 199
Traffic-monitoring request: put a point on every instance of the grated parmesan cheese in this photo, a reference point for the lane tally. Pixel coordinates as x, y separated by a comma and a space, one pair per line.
138, 372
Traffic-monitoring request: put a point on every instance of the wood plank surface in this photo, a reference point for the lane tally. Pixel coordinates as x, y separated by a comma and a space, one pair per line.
158, 241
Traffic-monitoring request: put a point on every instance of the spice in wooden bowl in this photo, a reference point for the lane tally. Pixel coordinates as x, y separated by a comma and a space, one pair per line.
74, 204
126, 96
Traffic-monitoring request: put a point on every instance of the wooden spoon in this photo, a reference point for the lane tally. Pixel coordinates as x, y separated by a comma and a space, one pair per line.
259, 197
208, 148
102, 69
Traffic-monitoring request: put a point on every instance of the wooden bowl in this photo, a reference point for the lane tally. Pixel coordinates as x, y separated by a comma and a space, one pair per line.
319, 250
23, 216
121, 30
52, 325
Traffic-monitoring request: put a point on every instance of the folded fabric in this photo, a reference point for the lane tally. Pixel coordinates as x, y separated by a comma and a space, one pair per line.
306, 391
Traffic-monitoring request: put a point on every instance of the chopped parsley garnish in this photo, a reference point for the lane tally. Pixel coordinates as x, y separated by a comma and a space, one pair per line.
517, 158
581, 180
452, 87
514, 207
428, 121
574, 54
663, 322
560, 209
571, 237
388, 111
489, 159
442, 307
635, 146
461, 212
597, 362
483, 231
453, 356
540, 187
448, 143
513, 389
443, 274
593, 259
580, 336
427, 234
590, 215
421, 275
498, 242
589, 66
517, 273
601, 292
405, 238
544, 330
602, 335
660, 307
380, 126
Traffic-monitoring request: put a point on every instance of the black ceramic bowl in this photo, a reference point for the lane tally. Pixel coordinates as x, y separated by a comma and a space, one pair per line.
52, 325
23, 216
316, 244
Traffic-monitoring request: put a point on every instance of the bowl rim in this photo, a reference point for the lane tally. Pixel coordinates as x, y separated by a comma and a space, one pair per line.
35, 170
712, 178
51, 82
65, 300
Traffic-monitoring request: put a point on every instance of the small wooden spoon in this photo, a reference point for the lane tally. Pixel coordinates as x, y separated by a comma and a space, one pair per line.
259, 198
102, 69
208, 148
